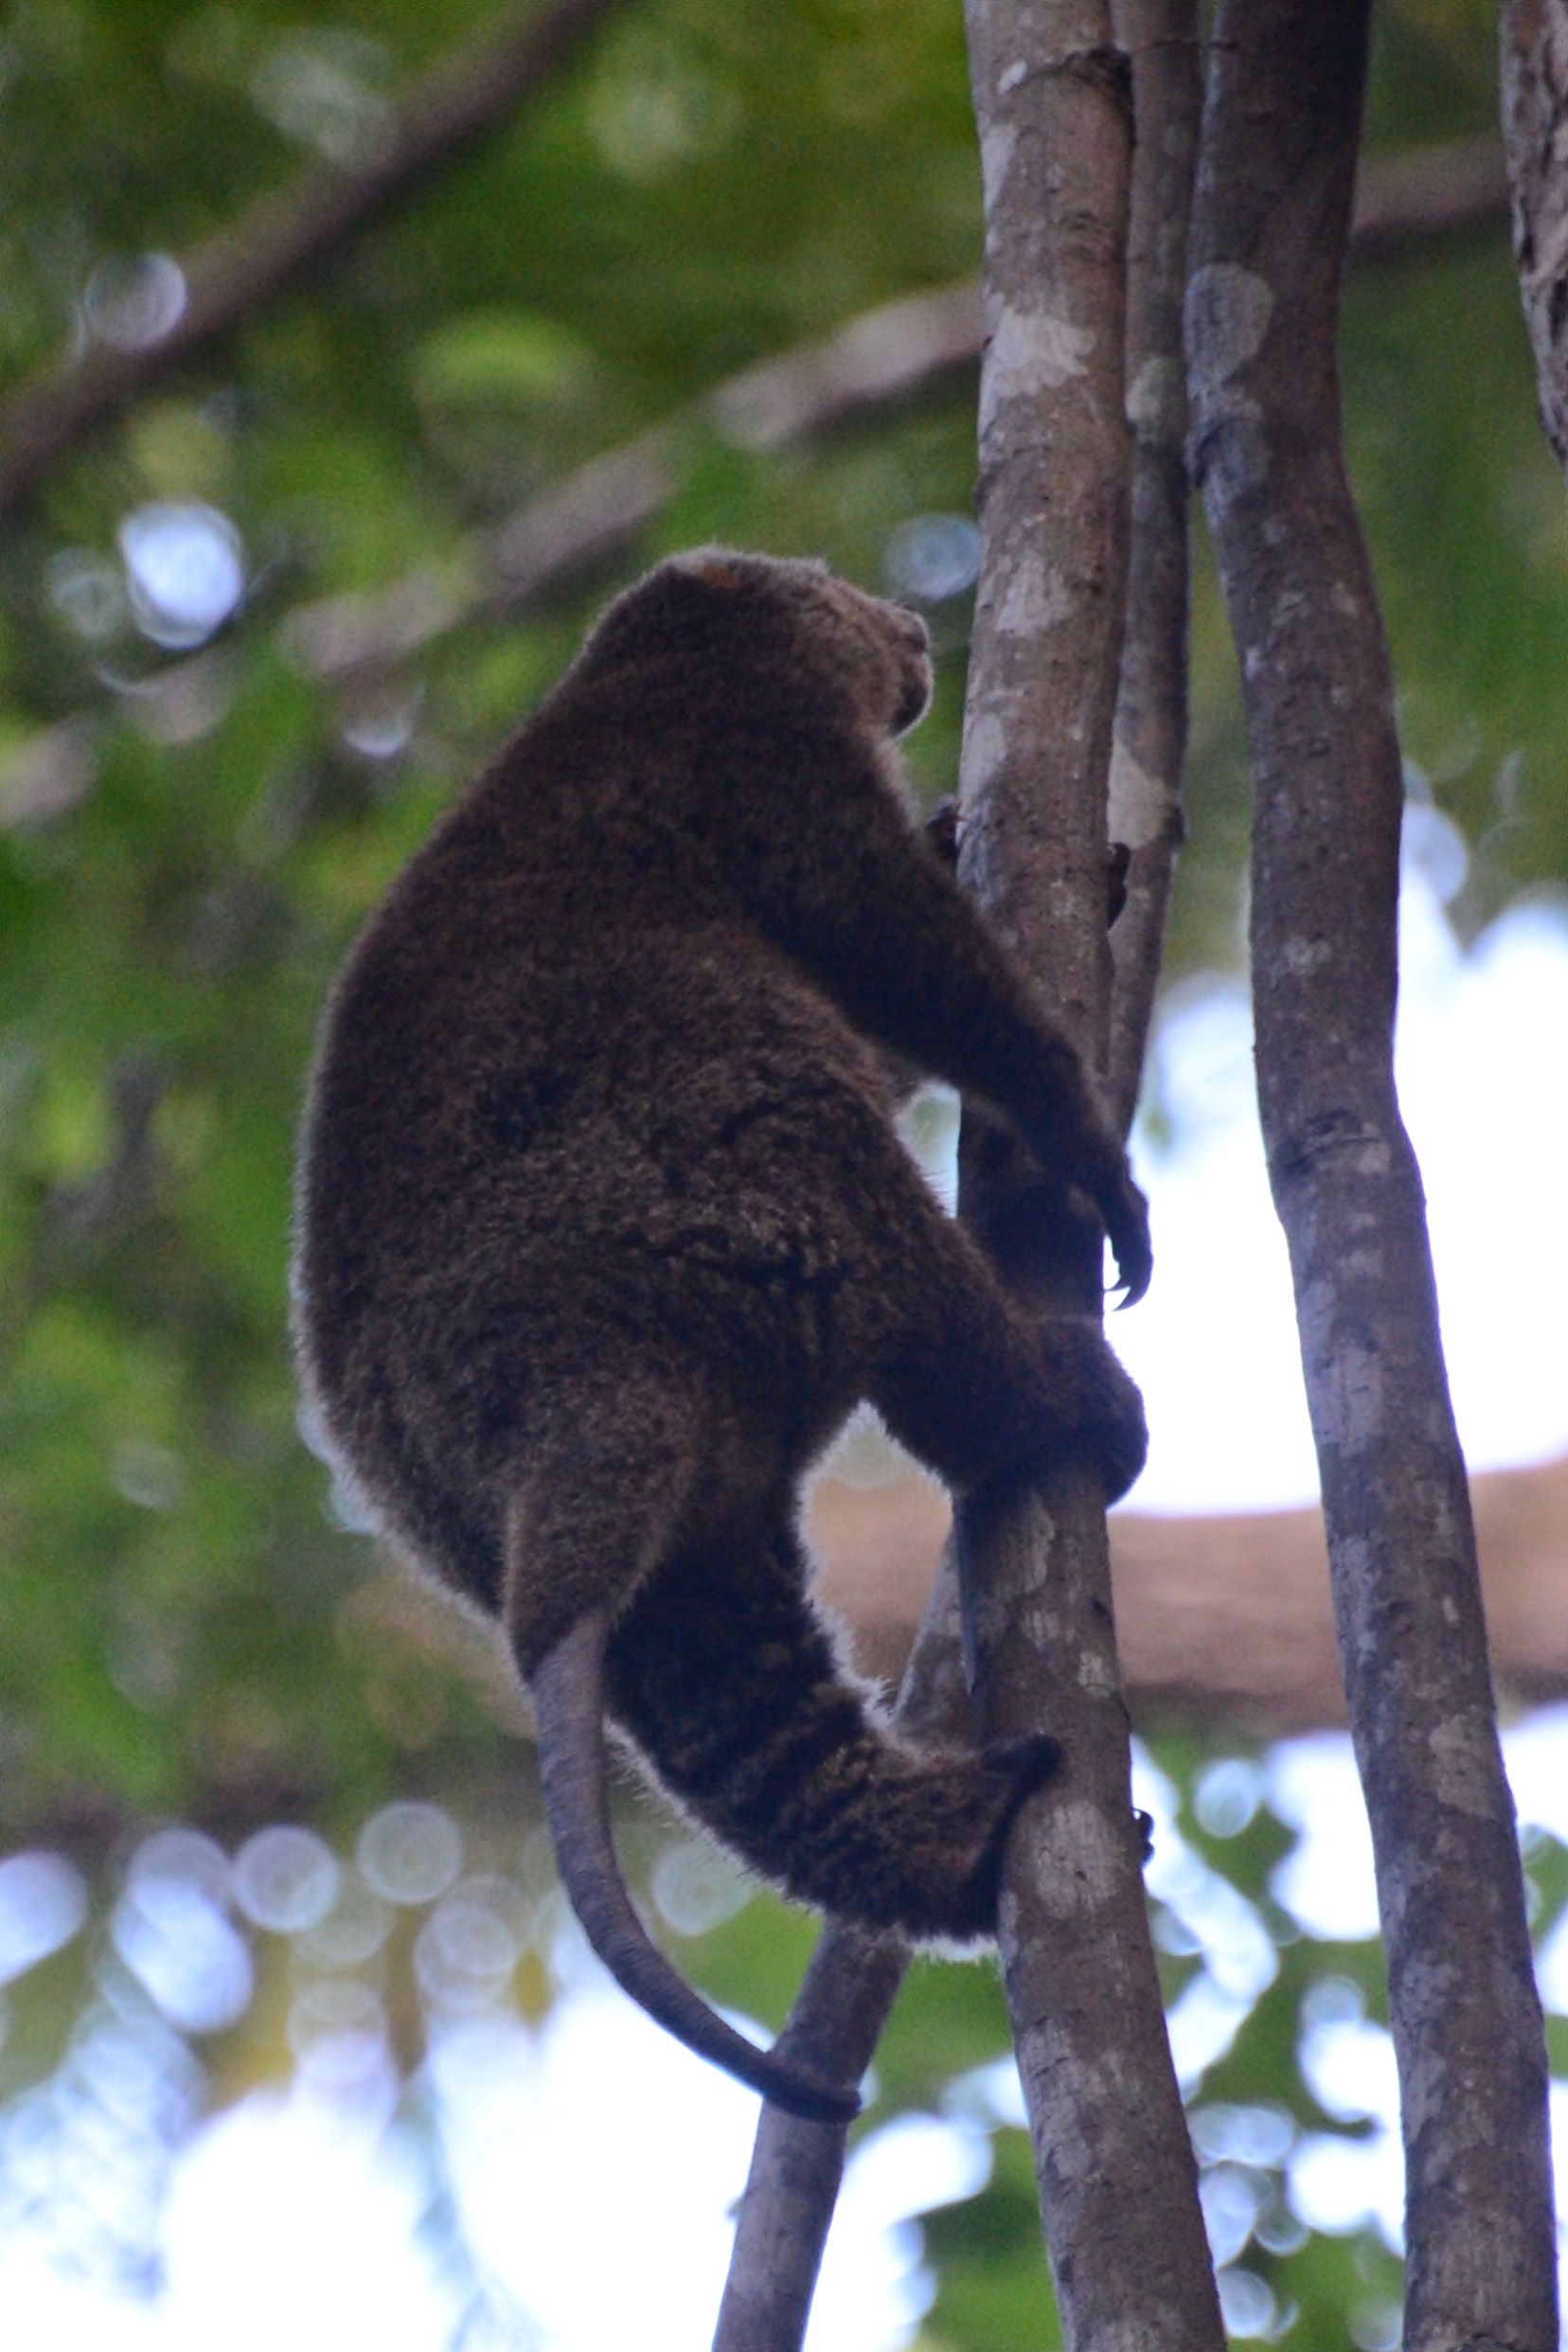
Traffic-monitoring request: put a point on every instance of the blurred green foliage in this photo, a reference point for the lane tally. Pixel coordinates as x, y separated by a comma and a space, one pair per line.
192, 822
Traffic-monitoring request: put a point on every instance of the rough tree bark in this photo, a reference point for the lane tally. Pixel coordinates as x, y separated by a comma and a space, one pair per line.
1280, 133
1117, 2182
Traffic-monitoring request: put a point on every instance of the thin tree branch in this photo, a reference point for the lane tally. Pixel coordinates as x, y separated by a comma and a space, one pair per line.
791, 2188
835, 2024
1280, 142
288, 236
1161, 38
1535, 128
1402, 202
879, 360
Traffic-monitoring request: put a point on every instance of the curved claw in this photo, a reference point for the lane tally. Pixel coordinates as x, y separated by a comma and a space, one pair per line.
1125, 1215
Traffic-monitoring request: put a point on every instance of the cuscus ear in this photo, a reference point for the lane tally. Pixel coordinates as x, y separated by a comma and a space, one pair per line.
716, 568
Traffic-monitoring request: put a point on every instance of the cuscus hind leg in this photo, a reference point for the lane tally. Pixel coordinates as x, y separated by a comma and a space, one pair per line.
725, 1675
986, 1395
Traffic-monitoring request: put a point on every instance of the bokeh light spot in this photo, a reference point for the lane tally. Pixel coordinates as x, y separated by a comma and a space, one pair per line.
43, 1903
131, 305
184, 570
285, 1879
410, 1853
933, 557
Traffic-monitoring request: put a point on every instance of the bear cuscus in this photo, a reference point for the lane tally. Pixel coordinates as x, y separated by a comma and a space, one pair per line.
604, 1229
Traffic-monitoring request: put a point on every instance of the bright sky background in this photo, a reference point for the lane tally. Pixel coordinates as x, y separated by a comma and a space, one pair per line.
595, 2161
1483, 1076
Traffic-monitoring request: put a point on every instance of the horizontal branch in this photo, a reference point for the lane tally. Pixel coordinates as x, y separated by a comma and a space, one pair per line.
1223, 1619
1404, 201
879, 362
289, 234
892, 355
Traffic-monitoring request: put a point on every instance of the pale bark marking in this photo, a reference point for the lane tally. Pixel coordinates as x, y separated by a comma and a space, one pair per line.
1228, 310
1156, 398
1462, 1759
997, 142
984, 749
1037, 598
1086, 1858
1138, 801
1030, 352
1306, 955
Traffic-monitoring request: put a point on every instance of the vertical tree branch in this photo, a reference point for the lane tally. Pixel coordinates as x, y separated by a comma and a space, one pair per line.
1053, 108
1274, 204
1111, 2155
1161, 38
1535, 132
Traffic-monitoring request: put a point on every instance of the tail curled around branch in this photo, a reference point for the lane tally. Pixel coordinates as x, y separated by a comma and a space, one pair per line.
568, 1695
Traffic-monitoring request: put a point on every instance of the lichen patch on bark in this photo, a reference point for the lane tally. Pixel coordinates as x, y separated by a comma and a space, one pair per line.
1138, 801
1031, 353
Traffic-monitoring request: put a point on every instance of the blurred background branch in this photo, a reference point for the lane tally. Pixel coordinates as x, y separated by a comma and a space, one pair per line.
285, 240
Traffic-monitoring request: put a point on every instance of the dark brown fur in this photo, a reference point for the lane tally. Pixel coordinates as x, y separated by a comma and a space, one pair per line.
605, 1227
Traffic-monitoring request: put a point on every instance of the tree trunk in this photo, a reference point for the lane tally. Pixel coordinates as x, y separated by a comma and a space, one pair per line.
1274, 207
1117, 2182
1127, 2243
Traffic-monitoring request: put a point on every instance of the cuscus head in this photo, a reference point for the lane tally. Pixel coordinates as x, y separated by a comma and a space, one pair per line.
790, 611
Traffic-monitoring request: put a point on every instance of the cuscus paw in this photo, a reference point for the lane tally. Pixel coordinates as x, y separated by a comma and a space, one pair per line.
1123, 1438
1096, 1405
